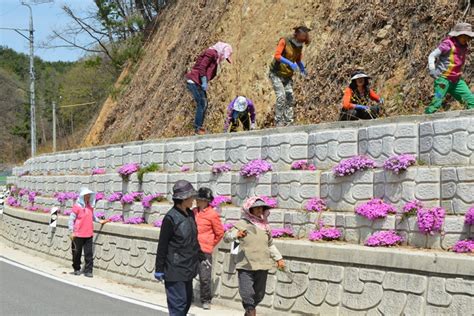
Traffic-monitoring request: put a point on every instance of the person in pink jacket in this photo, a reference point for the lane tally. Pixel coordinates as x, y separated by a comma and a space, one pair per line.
81, 228
210, 233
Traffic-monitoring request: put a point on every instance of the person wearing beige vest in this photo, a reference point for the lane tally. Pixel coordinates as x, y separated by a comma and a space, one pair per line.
256, 252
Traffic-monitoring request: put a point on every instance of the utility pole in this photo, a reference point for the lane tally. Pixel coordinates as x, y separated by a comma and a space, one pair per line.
54, 127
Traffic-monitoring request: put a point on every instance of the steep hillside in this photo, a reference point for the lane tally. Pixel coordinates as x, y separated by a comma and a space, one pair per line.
389, 39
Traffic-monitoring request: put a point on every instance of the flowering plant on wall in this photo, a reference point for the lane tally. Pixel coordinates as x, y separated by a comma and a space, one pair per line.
272, 202
383, 239
114, 197
375, 208
411, 208
134, 220
62, 197
99, 215
399, 163
32, 196
127, 169
469, 217
255, 168
116, 218
185, 169
158, 223
11, 201
22, 192
221, 168
97, 171
325, 233
129, 198
282, 232
227, 226
431, 220
219, 200
99, 196
464, 246
302, 165
350, 166
148, 200
67, 212
315, 205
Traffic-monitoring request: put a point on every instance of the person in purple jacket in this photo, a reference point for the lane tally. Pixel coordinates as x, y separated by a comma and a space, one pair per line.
240, 109
203, 71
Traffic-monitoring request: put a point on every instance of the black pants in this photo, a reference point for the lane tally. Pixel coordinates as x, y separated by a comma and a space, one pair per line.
242, 117
205, 279
355, 115
78, 244
179, 296
252, 286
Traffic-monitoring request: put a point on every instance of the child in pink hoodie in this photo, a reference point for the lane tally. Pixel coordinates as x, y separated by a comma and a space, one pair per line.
81, 227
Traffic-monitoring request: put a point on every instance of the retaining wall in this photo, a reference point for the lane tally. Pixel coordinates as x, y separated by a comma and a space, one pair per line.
324, 278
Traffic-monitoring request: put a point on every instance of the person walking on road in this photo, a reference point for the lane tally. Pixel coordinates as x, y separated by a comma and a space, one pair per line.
203, 71
357, 99
445, 64
240, 109
256, 252
178, 255
287, 60
81, 228
210, 233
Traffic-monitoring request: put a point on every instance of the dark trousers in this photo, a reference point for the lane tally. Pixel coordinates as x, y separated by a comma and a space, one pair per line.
179, 296
355, 115
78, 244
242, 117
252, 286
200, 97
205, 279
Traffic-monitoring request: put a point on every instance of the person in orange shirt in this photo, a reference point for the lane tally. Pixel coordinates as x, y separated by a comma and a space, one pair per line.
210, 233
357, 99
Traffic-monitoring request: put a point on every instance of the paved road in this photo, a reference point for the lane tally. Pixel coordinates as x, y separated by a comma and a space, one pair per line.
26, 293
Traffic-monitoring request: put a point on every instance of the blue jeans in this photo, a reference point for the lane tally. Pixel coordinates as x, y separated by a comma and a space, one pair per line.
200, 97
179, 296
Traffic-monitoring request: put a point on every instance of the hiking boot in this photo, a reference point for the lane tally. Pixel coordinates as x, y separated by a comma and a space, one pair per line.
201, 131
88, 274
76, 272
206, 305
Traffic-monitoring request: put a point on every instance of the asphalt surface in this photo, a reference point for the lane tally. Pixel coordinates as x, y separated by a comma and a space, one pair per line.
26, 293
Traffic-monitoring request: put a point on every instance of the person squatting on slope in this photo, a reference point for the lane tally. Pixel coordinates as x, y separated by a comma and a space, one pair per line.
256, 252
203, 71
357, 98
287, 59
178, 255
210, 233
445, 65
81, 228
240, 109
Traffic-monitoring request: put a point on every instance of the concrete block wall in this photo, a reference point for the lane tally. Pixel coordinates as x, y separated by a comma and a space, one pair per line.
322, 278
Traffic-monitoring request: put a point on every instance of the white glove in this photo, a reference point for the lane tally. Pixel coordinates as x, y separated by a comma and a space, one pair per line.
252, 126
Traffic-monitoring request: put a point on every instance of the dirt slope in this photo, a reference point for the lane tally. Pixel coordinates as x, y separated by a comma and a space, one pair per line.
389, 39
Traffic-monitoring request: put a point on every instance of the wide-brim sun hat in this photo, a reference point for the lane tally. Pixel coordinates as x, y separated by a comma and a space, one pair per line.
240, 104
462, 29
359, 74
183, 190
86, 191
260, 203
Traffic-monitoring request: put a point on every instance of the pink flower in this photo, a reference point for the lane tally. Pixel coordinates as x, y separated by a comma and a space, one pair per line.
316, 205
272, 202
219, 200
302, 165
469, 217
185, 169
99, 196
128, 168
148, 200
221, 168
411, 208
430, 220
399, 163
375, 208
325, 233
383, 239
116, 218
114, 197
282, 232
349, 166
158, 223
97, 171
255, 168
100, 215
67, 212
129, 198
11, 201
464, 246
227, 226
134, 220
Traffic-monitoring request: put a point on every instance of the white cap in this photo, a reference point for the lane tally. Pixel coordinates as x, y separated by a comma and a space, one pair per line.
240, 104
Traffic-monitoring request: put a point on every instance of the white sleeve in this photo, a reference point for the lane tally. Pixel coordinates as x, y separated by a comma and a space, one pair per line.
432, 59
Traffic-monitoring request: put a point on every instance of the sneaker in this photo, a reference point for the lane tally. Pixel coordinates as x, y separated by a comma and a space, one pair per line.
88, 274
76, 272
206, 305
201, 131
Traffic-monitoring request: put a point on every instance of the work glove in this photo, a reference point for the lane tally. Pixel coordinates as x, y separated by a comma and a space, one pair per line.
204, 83
434, 73
293, 65
382, 101
302, 68
252, 126
374, 109
361, 107
160, 276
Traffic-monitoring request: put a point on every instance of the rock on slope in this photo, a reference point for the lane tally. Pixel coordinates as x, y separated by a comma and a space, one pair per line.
389, 39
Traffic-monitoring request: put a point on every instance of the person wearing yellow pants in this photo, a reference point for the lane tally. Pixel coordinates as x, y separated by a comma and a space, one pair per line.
445, 64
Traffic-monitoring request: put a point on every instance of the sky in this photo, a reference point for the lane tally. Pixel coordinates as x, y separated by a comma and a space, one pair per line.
46, 17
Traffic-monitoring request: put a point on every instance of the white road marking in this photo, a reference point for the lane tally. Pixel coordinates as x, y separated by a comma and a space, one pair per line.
115, 296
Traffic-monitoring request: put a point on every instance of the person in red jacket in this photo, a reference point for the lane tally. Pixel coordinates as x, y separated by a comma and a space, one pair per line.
203, 71
210, 233
357, 99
